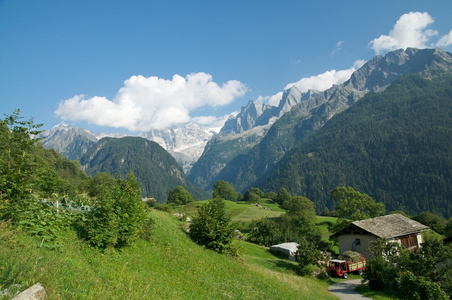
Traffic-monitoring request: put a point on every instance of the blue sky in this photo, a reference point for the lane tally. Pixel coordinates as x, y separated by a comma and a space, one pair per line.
140, 65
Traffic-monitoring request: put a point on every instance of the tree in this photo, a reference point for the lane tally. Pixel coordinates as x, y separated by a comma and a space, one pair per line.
426, 266
265, 232
100, 183
448, 228
283, 195
251, 197
299, 221
224, 190
308, 254
212, 227
271, 195
119, 216
179, 196
18, 168
354, 205
435, 222
257, 191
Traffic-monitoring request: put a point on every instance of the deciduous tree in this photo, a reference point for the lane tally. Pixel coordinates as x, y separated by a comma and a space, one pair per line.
179, 196
212, 226
224, 190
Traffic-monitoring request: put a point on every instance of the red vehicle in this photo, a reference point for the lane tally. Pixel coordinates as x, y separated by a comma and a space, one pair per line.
342, 268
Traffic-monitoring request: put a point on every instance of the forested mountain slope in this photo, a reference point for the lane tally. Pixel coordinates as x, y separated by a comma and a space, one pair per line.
155, 169
394, 146
311, 114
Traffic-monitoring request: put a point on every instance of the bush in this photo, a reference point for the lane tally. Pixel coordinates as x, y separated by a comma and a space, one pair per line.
119, 217
309, 257
410, 286
212, 227
381, 274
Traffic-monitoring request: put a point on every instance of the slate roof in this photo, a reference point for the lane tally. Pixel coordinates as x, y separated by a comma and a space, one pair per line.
386, 227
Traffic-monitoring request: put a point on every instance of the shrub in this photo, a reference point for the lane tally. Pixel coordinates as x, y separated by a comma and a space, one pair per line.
309, 257
410, 286
212, 227
380, 273
119, 217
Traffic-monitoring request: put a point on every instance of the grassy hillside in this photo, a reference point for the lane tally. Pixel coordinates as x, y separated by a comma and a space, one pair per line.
240, 211
169, 266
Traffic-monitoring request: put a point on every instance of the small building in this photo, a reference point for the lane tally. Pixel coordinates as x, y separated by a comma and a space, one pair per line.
288, 250
359, 235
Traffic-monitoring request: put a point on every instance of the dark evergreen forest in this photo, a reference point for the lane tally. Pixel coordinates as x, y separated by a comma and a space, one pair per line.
394, 146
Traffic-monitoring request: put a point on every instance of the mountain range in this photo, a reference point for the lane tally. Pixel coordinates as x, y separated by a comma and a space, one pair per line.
272, 147
308, 114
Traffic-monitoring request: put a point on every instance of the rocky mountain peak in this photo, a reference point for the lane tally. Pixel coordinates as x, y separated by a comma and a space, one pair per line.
381, 71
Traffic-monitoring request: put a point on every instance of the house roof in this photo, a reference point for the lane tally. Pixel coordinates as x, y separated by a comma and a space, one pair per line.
385, 227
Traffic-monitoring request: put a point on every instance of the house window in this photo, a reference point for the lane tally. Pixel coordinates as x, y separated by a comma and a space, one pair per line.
409, 241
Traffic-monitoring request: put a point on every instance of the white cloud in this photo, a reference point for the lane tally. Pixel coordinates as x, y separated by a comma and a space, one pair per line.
325, 80
338, 47
319, 82
272, 100
212, 121
409, 31
445, 40
146, 103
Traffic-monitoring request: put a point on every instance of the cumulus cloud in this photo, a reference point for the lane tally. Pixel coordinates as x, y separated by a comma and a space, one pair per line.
325, 80
212, 121
146, 103
445, 40
319, 82
409, 31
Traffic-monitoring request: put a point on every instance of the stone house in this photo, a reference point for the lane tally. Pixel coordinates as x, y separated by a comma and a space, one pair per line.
359, 235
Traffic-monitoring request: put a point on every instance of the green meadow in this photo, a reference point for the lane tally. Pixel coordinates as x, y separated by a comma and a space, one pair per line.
167, 266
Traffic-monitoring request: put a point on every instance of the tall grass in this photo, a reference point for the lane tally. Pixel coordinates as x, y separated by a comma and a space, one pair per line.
168, 266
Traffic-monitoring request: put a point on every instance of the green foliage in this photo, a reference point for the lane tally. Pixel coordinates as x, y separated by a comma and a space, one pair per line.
433, 221
448, 228
18, 168
427, 268
179, 196
257, 191
354, 205
169, 266
251, 197
100, 183
380, 273
414, 287
212, 227
156, 170
271, 195
308, 255
40, 220
300, 220
282, 196
119, 216
393, 146
224, 190
265, 232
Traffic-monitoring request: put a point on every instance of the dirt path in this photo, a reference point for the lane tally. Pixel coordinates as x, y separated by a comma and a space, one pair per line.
346, 290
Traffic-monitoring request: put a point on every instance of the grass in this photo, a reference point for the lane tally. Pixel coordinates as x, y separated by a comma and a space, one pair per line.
169, 266
376, 295
241, 212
